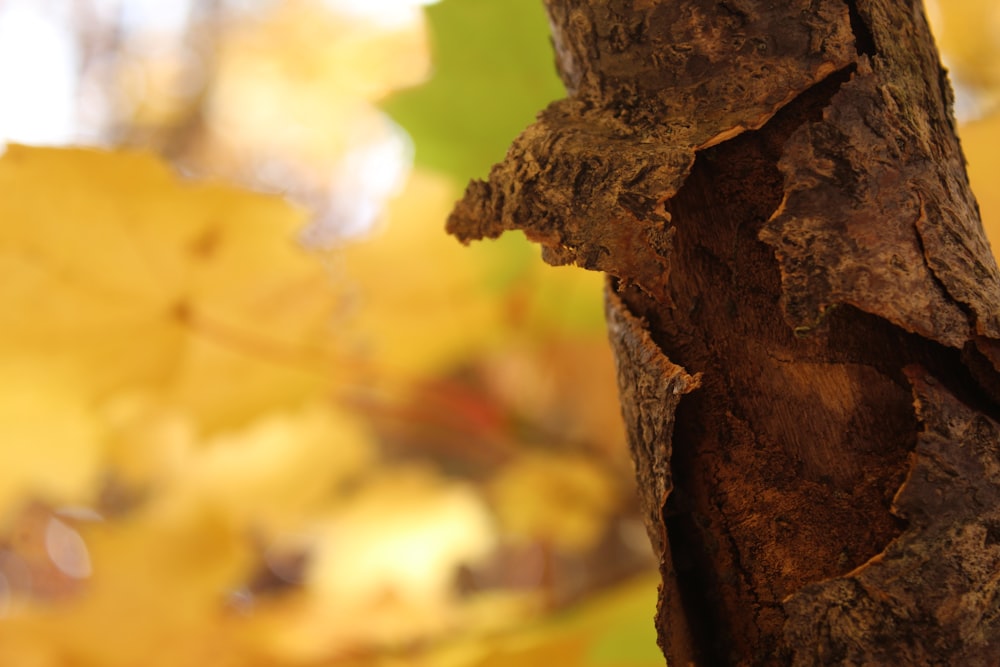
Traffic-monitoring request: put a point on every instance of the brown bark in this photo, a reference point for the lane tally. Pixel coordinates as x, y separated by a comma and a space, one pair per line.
804, 310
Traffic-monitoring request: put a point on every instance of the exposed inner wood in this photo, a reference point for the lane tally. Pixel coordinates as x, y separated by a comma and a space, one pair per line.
777, 445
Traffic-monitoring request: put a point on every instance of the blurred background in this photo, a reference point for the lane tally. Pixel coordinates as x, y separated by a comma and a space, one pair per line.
257, 408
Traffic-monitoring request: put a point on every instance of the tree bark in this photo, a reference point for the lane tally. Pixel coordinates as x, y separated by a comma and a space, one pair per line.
804, 311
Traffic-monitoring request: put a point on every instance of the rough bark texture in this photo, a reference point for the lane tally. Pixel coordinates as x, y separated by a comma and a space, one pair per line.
804, 311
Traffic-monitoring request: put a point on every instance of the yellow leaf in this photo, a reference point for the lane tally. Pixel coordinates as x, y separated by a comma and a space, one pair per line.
281, 470
391, 554
980, 140
420, 298
612, 629
50, 434
300, 79
560, 499
137, 280
157, 597
966, 33
271, 473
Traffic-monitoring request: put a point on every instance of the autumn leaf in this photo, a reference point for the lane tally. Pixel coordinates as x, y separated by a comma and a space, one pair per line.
50, 430
131, 280
298, 81
561, 499
979, 141
613, 629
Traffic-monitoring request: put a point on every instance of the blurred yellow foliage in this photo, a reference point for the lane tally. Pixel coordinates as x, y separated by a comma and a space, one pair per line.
980, 141
424, 303
175, 365
381, 574
130, 281
170, 361
50, 433
968, 35
298, 81
559, 499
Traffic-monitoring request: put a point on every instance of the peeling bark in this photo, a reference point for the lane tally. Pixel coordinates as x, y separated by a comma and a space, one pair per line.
933, 596
804, 310
587, 181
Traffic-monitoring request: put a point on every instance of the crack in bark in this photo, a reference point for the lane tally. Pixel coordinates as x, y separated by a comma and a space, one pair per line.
863, 39
922, 244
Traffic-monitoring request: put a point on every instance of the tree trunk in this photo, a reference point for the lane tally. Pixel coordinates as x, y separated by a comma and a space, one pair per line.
803, 306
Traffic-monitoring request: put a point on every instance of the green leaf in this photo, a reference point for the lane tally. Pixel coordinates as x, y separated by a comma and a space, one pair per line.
629, 642
494, 71
626, 633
